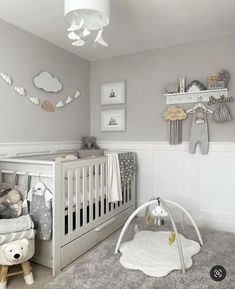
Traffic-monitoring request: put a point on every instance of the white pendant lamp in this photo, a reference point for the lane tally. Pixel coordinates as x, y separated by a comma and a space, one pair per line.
86, 16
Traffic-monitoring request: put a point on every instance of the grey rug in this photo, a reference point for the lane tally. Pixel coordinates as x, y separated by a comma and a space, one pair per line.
101, 269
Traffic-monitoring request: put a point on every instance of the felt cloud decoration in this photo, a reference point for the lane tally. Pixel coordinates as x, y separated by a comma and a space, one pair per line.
159, 211
6, 78
35, 100
174, 113
20, 90
47, 82
60, 104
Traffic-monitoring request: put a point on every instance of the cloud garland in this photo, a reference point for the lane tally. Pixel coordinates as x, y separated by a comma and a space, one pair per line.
36, 100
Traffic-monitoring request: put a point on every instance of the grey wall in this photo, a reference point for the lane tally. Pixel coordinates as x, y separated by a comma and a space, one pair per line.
146, 74
22, 56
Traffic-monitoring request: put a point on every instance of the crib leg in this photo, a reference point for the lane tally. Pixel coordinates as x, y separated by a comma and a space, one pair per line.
28, 276
3, 276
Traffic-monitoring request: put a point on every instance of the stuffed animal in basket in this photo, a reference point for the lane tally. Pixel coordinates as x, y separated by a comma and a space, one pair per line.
6, 211
14, 199
16, 252
10, 204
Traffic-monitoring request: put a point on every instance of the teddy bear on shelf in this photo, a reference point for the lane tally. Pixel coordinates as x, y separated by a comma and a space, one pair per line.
15, 201
89, 143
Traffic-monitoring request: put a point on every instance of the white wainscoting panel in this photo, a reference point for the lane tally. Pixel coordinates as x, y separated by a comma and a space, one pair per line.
203, 184
217, 183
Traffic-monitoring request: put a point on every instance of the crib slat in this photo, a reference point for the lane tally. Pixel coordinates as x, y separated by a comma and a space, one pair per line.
125, 193
84, 193
78, 196
90, 194
96, 191
102, 188
128, 192
70, 201
106, 188
64, 207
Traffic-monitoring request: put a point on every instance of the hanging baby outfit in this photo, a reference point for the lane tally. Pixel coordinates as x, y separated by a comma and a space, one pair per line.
221, 113
199, 132
40, 209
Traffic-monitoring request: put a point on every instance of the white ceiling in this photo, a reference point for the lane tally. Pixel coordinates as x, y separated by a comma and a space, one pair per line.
136, 25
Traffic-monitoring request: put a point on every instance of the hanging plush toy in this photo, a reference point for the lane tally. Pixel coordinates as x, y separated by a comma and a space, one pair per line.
171, 238
159, 213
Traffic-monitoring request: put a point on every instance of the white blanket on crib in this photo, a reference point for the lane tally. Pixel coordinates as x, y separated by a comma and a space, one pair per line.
114, 179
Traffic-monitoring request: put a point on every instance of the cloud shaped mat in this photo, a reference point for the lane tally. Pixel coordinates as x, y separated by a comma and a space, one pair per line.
150, 253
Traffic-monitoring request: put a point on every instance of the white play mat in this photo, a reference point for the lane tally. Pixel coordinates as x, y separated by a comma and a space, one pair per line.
151, 253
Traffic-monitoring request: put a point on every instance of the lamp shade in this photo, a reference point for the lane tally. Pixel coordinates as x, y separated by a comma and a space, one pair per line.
94, 14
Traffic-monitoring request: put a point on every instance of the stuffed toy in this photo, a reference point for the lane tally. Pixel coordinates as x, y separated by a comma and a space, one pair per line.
14, 199
16, 252
6, 211
89, 143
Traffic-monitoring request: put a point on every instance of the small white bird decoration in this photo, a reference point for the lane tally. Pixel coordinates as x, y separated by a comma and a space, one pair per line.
77, 94
79, 42
6, 78
99, 39
35, 100
74, 26
85, 33
60, 104
69, 100
20, 90
73, 36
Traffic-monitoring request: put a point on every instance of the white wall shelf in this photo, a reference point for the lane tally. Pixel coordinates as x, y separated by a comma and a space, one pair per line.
190, 97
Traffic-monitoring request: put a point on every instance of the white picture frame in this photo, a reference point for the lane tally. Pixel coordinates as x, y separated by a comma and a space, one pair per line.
113, 93
113, 119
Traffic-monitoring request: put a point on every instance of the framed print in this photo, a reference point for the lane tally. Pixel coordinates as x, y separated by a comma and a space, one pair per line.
113, 119
113, 93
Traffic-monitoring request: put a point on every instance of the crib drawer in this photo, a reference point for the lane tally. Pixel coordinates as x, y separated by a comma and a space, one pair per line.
73, 250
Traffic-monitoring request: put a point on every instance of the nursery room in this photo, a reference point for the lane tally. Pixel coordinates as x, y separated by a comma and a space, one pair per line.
117, 147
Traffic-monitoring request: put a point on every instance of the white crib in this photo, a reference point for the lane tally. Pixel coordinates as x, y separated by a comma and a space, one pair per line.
82, 216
